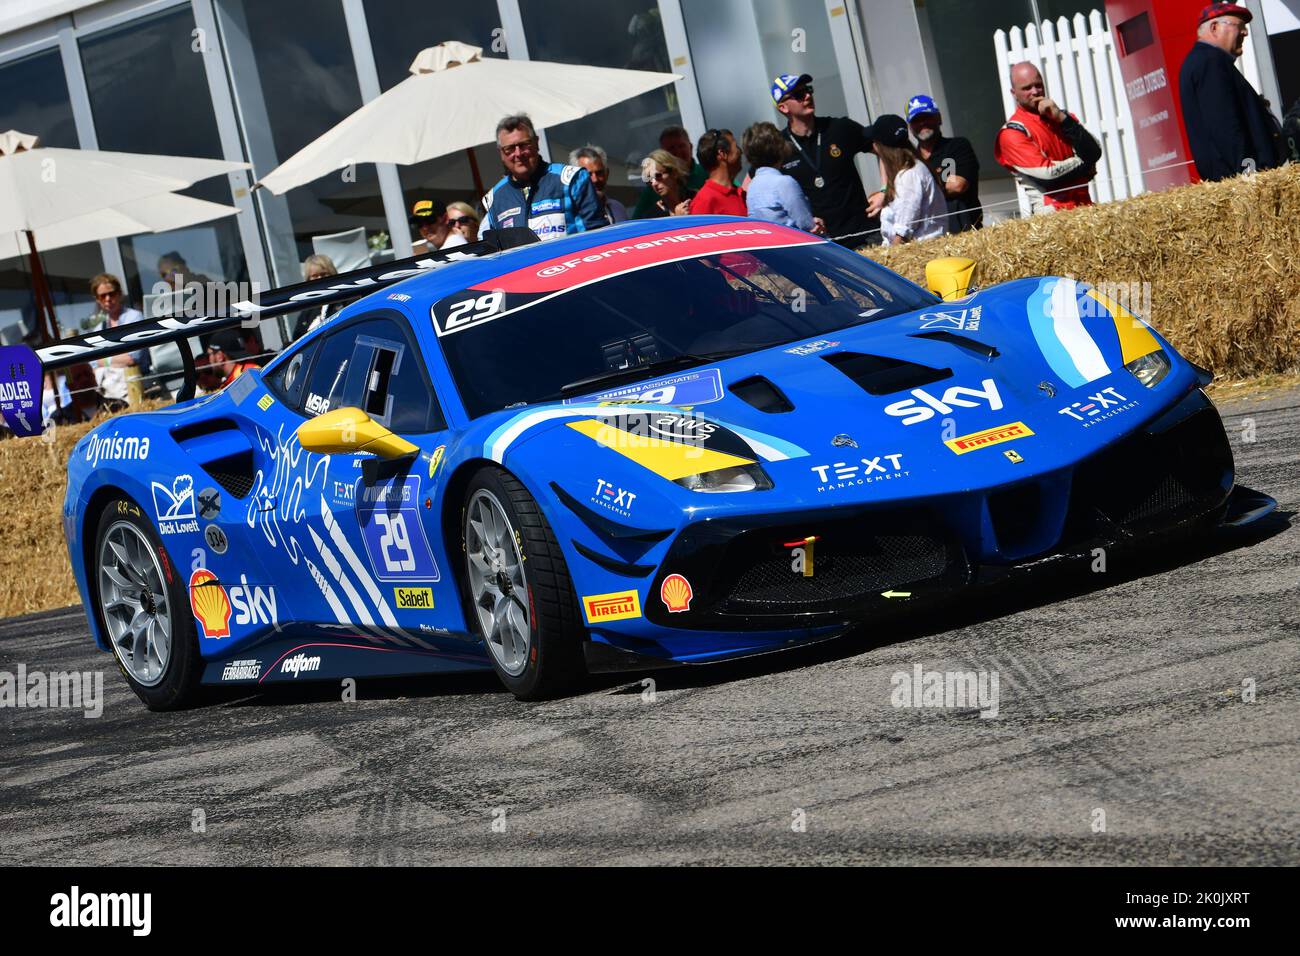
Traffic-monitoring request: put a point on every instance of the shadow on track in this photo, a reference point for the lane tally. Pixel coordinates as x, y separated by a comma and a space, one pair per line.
1061, 581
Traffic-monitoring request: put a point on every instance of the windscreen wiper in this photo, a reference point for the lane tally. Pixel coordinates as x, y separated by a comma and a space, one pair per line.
633, 372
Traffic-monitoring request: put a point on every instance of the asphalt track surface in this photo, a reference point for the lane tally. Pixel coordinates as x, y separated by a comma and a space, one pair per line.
1119, 692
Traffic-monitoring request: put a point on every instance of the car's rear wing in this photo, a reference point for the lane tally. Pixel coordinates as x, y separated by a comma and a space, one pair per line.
22, 371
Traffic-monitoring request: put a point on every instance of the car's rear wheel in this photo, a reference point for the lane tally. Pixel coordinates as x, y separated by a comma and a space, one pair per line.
143, 609
519, 596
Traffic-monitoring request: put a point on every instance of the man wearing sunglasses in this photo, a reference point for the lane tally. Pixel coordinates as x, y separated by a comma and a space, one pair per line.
551, 199
821, 162
429, 217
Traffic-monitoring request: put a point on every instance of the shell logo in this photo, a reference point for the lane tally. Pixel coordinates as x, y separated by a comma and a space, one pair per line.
210, 604
676, 593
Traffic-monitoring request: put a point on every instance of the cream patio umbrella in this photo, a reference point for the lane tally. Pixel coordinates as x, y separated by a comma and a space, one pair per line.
44, 187
452, 101
160, 213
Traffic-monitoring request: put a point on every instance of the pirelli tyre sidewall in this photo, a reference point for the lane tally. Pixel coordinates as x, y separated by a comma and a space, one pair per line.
545, 656
175, 683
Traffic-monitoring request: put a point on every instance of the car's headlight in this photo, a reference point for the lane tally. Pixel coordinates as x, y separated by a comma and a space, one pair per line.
1150, 368
739, 478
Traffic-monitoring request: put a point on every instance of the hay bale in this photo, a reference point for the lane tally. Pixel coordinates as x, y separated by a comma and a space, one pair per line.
1220, 259
35, 574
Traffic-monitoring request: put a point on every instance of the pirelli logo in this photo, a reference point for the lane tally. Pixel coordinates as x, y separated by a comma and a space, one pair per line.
619, 606
990, 436
414, 599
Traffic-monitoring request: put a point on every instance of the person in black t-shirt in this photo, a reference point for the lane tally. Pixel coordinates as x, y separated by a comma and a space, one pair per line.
952, 161
821, 162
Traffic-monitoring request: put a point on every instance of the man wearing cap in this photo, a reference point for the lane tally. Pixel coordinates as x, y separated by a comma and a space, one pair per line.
1045, 148
429, 217
225, 356
952, 161
822, 160
1229, 127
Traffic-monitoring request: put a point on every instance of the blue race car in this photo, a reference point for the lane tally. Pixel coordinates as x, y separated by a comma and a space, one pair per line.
681, 440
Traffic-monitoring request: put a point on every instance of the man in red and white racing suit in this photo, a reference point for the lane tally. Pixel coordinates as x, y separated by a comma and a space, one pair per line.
1046, 149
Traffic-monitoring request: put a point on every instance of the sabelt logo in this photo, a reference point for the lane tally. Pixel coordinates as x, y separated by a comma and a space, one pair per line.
414, 599
922, 406
990, 436
618, 606
210, 604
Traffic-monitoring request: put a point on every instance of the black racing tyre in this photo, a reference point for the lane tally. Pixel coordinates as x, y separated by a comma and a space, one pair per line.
518, 596
143, 608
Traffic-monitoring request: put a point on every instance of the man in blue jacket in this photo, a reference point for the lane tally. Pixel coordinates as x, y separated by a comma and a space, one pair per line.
1229, 127
551, 199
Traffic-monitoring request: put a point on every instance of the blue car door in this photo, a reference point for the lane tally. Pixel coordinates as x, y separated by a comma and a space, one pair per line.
374, 546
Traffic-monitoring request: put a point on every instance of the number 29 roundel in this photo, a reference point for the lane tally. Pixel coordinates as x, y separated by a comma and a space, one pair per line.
388, 512
471, 307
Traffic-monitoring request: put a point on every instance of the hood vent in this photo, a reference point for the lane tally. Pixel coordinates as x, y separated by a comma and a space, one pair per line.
762, 394
961, 341
878, 375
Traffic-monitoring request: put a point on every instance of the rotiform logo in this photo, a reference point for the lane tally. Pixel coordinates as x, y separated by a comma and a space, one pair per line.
75, 909
300, 664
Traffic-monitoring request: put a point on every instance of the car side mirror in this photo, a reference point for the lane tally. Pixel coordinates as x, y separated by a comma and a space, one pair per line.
345, 431
951, 277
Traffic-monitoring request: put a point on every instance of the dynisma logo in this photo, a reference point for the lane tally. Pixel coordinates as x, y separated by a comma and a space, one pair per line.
116, 448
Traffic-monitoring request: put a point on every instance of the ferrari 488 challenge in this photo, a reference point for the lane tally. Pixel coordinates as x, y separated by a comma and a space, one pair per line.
677, 441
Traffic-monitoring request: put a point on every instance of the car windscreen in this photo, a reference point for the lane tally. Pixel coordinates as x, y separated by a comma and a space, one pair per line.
506, 348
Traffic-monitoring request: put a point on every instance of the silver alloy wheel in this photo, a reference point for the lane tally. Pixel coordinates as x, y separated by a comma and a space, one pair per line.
133, 603
497, 583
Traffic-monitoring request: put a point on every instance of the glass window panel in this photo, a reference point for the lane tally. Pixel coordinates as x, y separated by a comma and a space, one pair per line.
149, 94
68, 271
399, 29
294, 78
625, 34
35, 100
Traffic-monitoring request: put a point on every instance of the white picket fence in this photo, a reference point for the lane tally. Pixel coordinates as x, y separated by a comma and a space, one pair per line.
1081, 69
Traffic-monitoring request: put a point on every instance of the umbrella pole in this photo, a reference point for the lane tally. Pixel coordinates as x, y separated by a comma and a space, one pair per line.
473, 168
45, 318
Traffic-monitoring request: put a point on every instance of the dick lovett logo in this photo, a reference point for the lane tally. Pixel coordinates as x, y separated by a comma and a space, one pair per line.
174, 506
76, 909
922, 406
1097, 408
864, 471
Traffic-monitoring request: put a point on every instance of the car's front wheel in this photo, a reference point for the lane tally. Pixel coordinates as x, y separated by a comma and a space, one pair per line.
143, 609
520, 599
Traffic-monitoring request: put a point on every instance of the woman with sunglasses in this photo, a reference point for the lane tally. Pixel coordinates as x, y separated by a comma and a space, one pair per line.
112, 311
463, 220
666, 175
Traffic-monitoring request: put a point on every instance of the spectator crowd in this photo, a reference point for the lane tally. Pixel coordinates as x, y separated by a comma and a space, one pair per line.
802, 174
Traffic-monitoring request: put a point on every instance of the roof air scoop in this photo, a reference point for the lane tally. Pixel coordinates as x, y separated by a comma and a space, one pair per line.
878, 375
